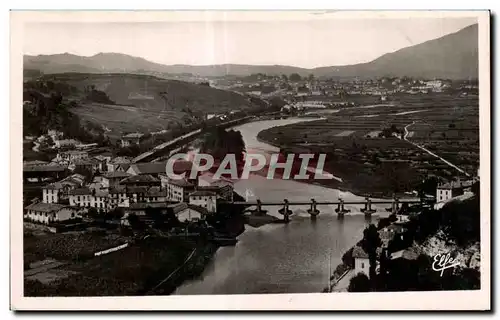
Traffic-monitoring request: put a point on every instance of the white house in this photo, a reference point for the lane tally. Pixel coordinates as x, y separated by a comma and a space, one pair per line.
131, 138
72, 155
117, 196
361, 261
99, 200
51, 192
81, 197
191, 213
204, 199
113, 164
177, 190
48, 212
449, 190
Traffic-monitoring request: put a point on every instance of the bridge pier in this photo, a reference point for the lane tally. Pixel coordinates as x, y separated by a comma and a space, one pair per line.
313, 211
341, 211
368, 210
285, 211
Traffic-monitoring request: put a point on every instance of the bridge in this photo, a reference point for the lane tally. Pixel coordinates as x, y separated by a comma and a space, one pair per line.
368, 210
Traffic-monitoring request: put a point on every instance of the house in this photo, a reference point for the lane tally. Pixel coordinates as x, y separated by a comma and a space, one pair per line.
117, 197
223, 188
152, 168
388, 233
178, 190
449, 190
205, 199
71, 156
136, 194
140, 209
361, 261
80, 197
113, 164
113, 178
88, 164
103, 162
189, 213
156, 194
410, 253
99, 199
131, 139
145, 180
48, 212
51, 192
57, 192
66, 143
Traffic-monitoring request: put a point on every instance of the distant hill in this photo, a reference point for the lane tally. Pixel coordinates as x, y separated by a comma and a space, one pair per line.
453, 56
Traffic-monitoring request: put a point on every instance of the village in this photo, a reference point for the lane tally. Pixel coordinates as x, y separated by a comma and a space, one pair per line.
77, 182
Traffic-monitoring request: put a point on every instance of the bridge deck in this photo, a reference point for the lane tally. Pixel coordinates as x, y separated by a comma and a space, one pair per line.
297, 203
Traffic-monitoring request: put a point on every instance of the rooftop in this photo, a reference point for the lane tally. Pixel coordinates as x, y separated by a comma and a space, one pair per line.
116, 174
134, 135
358, 252
156, 192
45, 207
44, 168
202, 193
119, 160
148, 167
117, 189
180, 183
146, 178
145, 205
80, 191
410, 253
456, 184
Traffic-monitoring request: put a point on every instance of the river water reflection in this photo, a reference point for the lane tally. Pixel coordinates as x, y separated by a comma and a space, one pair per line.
278, 258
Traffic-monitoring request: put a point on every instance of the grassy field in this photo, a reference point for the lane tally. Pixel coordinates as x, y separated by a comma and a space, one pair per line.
69, 245
369, 164
132, 271
146, 103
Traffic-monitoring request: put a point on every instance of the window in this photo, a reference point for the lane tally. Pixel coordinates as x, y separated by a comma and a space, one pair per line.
362, 265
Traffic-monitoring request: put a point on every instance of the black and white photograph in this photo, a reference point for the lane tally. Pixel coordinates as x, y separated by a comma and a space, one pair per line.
237, 154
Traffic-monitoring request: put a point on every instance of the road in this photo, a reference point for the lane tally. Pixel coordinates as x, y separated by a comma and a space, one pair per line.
405, 137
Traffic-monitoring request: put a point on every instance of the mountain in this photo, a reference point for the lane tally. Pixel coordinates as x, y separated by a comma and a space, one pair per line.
453, 56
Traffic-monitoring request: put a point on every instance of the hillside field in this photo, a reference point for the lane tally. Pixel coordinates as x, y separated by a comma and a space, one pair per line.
145, 103
371, 163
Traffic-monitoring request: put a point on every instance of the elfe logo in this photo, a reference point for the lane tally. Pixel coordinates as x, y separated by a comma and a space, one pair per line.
299, 164
443, 262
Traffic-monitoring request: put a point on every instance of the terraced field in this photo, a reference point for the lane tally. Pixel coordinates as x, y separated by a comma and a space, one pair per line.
448, 126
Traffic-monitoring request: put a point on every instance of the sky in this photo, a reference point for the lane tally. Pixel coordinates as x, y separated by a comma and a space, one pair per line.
308, 44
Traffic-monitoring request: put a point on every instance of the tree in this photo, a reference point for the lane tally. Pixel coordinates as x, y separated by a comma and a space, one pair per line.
359, 283
156, 215
310, 77
133, 221
370, 242
92, 213
295, 77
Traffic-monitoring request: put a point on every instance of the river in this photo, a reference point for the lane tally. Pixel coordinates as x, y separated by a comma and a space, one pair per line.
281, 258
